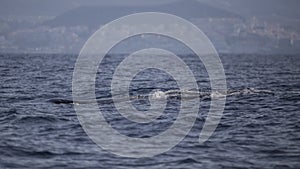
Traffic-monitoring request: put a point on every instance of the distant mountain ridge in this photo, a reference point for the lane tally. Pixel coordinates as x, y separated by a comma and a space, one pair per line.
94, 16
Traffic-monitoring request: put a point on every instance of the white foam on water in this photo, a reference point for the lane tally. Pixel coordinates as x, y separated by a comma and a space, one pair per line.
158, 95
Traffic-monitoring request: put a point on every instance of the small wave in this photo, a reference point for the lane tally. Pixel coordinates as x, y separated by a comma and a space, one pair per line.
34, 119
187, 161
17, 150
61, 101
8, 115
290, 96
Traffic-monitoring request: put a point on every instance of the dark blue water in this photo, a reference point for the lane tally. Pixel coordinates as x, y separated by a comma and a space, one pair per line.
260, 127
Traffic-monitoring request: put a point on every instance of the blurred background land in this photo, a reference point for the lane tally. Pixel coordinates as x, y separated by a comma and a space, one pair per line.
234, 26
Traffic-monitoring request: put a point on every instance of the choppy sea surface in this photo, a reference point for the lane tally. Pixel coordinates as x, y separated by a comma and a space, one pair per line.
260, 127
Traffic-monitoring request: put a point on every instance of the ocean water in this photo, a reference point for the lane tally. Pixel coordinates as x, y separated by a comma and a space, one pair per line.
260, 127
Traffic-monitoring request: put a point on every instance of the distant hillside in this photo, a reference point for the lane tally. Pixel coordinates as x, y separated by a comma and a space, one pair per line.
97, 15
262, 8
